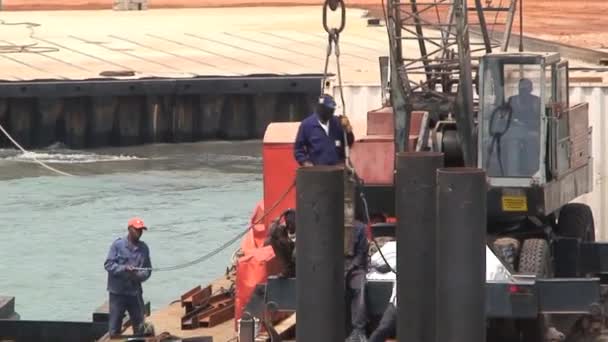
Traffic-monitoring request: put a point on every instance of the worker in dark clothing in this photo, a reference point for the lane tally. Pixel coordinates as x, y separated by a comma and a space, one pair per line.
281, 237
526, 106
126, 255
320, 138
522, 139
355, 270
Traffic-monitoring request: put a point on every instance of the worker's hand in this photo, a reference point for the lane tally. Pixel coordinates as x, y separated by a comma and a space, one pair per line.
345, 123
130, 268
307, 164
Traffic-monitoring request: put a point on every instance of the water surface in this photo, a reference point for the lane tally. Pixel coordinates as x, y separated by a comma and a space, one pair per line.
55, 231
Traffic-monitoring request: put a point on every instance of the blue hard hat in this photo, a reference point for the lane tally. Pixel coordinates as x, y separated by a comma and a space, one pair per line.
327, 101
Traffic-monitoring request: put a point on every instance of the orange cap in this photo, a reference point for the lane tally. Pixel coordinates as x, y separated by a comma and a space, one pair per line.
137, 223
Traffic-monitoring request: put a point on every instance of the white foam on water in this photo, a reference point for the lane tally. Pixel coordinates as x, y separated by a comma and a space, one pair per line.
64, 157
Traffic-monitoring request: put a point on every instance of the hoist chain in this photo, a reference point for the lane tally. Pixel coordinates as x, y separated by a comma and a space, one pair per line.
333, 41
333, 5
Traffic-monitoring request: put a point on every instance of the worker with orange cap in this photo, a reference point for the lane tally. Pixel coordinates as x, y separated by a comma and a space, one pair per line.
128, 265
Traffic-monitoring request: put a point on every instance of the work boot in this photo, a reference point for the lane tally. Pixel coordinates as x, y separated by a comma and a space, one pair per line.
357, 335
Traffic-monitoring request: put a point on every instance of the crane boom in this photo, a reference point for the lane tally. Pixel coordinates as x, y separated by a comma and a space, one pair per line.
425, 79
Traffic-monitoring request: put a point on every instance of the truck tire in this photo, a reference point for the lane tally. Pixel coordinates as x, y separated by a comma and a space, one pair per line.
535, 258
576, 221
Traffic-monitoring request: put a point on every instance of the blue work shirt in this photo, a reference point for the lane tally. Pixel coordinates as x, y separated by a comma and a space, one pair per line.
314, 145
123, 253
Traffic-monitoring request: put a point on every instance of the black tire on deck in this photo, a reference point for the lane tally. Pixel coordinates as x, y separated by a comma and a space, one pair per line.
535, 258
576, 221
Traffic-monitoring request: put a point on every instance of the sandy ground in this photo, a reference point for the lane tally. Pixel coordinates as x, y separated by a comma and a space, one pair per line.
186, 43
576, 22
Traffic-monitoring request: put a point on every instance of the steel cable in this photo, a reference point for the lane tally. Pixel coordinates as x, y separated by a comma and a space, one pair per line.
29, 48
223, 246
333, 39
31, 155
374, 239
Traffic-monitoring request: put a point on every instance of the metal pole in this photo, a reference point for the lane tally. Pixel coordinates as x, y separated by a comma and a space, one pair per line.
464, 102
320, 256
521, 25
415, 185
461, 261
484, 28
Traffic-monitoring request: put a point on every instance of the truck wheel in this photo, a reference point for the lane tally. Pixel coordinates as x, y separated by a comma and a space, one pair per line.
535, 258
576, 221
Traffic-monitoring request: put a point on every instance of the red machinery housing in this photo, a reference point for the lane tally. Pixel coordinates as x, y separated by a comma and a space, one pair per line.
372, 155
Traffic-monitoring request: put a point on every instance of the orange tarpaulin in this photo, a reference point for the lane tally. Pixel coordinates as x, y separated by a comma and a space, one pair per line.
252, 269
257, 234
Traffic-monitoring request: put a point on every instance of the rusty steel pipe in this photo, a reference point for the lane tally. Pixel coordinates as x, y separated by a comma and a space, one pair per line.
461, 255
415, 185
320, 254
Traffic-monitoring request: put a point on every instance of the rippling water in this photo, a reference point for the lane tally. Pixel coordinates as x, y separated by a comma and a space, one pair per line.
55, 230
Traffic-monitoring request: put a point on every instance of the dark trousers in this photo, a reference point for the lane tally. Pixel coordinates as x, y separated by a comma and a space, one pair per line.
132, 304
355, 286
387, 326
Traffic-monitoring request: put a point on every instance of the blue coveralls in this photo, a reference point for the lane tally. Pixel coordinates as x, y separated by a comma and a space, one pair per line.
124, 287
314, 145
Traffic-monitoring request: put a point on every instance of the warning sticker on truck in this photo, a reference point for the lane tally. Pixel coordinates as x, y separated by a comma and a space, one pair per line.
514, 203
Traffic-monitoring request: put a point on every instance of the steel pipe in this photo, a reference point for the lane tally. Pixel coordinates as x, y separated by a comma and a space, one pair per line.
320, 257
461, 258
415, 185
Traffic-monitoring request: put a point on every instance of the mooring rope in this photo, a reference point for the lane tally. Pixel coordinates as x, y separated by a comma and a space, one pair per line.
31, 154
224, 245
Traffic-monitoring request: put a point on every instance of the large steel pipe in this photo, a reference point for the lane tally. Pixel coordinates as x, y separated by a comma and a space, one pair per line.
320, 254
461, 258
415, 185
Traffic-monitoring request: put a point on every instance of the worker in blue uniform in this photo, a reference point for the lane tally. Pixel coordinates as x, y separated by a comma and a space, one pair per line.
320, 138
125, 258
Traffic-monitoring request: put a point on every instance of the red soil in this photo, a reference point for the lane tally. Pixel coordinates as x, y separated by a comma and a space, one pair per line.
577, 22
